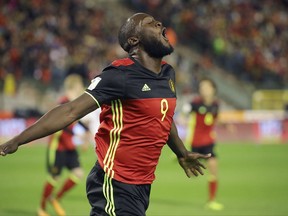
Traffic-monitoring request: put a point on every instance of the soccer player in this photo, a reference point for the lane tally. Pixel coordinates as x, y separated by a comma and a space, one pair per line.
201, 134
137, 98
62, 153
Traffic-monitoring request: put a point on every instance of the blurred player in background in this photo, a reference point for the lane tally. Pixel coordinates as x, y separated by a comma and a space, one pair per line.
201, 135
62, 153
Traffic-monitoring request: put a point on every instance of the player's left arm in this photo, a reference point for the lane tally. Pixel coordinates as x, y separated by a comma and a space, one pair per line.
189, 161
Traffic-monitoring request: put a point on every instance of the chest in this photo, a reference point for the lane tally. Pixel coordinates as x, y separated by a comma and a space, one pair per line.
205, 115
203, 110
141, 86
160, 109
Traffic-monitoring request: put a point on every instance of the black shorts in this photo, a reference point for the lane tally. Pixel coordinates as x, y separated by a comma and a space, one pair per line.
205, 149
109, 197
57, 160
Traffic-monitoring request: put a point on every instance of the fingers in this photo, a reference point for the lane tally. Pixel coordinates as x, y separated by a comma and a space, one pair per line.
199, 156
188, 172
201, 165
194, 171
207, 156
203, 156
199, 170
192, 166
2, 153
6, 149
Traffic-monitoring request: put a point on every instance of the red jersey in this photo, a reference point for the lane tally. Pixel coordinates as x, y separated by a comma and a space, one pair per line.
63, 140
201, 123
137, 112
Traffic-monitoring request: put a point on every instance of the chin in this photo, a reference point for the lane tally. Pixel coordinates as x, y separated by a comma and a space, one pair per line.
157, 48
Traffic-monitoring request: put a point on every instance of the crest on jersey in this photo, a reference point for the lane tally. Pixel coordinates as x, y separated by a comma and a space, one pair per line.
171, 85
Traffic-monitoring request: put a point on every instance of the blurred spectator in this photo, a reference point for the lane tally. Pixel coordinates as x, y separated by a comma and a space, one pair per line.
248, 38
48, 40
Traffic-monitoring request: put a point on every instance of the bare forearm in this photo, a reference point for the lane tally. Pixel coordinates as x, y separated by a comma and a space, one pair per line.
56, 119
175, 143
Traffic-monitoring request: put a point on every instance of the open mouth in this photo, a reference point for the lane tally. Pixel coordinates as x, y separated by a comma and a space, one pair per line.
164, 30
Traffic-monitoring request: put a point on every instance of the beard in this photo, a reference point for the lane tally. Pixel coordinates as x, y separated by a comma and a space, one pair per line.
155, 48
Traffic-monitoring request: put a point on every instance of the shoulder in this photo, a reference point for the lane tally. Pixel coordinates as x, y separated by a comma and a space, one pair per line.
168, 70
118, 66
164, 62
166, 66
122, 62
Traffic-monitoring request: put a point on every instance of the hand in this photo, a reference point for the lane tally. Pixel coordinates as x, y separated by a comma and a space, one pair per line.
191, 165
8, 148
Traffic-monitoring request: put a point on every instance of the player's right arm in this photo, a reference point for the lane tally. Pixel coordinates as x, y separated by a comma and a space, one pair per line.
189, 161
54, 120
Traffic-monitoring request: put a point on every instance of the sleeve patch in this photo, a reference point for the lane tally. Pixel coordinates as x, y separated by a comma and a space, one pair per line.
94, 83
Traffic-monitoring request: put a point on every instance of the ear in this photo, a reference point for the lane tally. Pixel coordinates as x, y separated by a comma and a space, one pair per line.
133, 41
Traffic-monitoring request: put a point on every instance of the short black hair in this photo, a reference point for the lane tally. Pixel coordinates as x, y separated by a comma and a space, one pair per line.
127, 30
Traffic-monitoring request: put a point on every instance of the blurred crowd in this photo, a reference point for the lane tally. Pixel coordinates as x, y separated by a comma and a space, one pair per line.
46, 40
248, 38
43, 41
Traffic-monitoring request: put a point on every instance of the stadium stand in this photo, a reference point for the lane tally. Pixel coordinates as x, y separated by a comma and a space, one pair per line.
247, 38
240, 44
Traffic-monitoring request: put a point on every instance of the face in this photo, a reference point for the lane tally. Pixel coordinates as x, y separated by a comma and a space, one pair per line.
206, 89
152, 36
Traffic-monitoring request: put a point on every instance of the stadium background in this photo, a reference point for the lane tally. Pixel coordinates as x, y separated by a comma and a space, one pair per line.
240, 44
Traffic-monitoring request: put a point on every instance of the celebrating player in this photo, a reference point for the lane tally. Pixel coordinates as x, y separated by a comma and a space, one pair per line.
62, 153
201, 134
137, 97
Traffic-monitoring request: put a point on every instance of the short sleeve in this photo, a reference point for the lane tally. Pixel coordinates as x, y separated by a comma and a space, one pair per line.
108, 86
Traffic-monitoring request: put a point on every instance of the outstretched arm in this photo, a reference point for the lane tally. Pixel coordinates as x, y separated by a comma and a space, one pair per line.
54, 120
189, 161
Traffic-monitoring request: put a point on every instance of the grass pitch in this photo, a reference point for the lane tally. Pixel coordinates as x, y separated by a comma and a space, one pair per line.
253, 181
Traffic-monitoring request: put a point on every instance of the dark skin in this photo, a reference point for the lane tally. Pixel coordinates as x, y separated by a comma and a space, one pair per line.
146, 23
63, 115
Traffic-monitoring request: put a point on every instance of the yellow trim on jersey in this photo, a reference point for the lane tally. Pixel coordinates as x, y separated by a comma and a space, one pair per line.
117, 118
93, 98
115, 133
190, 129
53, 147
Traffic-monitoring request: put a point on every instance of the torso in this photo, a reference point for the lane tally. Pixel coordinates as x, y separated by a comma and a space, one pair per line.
135, 127
203, 121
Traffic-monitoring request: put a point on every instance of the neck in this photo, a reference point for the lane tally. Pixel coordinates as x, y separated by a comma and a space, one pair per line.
152, 64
